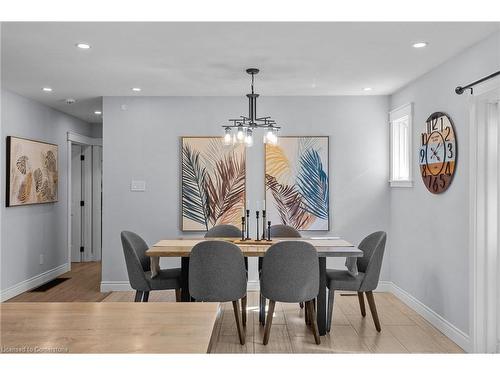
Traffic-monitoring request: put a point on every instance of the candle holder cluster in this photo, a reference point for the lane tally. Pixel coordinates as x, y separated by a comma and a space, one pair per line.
245, 227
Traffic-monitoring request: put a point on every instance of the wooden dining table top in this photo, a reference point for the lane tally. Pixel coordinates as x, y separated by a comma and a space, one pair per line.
181, 247
108, 327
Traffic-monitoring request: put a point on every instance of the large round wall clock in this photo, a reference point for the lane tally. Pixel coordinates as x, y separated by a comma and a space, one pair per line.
438, 152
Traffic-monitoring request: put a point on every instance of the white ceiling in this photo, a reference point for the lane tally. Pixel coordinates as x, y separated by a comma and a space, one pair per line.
189, 59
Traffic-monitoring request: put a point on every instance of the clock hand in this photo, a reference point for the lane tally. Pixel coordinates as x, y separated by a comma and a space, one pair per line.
435, 153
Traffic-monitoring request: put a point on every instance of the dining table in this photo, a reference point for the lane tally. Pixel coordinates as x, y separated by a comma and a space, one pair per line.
326, 248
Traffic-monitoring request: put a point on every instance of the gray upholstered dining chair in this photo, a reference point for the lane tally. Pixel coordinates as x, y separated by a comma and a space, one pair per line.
139, 269
290, 273
279, 231
284, 231
226, 231
366, 281
217, 274
223, 231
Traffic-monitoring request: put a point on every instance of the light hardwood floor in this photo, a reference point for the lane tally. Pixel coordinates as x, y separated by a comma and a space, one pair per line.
403, 330
83, 285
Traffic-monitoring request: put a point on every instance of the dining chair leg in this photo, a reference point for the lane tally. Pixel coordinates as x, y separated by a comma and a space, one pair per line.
314, 322
301, 305
306, 316
138, 296
145, 297
241, 333
362, 304
373, 309
269, 322
178, 295
262, 310
244, 311
331, 296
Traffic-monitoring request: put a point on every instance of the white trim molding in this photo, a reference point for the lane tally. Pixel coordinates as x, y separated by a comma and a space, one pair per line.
33, 282
115, 286
401, 146
402, 184
83, 139
453, 333
484, 217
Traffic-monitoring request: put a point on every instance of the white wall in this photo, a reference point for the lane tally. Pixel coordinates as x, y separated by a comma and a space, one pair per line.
429, 233
29, 231
142, 142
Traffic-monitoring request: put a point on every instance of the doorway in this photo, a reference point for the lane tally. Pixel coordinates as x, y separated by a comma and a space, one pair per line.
84, 199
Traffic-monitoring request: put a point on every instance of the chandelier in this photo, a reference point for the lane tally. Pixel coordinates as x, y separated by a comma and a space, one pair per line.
241, 130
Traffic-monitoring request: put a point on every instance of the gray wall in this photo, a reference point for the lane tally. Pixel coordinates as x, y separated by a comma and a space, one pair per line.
142, 142
429, 233
29, 231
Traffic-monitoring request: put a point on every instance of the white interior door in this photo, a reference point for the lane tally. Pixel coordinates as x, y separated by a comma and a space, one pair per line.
76, 198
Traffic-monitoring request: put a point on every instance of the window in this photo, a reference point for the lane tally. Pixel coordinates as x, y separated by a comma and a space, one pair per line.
401, 156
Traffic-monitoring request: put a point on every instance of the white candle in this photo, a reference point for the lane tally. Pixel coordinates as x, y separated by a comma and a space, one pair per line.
264, 204
258, 205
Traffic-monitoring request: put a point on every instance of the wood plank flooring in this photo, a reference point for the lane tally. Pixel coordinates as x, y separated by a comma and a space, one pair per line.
403, 330
83, 286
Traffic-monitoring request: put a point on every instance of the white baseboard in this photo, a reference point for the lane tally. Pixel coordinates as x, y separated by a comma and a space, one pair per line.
115, 286
33, 282
253, 285
384, 286
453, 333
124, 286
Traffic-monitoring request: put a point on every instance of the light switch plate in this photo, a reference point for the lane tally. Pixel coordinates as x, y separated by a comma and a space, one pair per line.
137, 185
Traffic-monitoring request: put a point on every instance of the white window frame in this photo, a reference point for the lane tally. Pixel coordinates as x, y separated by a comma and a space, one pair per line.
395, 116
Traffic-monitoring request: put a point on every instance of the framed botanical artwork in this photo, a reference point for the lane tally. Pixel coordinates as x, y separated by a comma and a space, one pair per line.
213, 183
297, 182
32, 172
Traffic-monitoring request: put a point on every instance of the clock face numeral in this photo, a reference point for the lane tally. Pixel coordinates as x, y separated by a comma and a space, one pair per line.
438, 153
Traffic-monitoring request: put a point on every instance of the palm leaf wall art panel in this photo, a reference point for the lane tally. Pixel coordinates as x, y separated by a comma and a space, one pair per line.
297, 182
213, 183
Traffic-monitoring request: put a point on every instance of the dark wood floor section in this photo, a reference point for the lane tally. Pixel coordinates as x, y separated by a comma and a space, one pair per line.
83, 285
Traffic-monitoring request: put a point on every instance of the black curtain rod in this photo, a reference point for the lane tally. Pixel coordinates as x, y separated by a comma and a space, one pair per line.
460, 90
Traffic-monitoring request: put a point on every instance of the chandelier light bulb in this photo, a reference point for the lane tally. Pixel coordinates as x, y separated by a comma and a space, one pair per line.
271, 137
228, 139
240, 135
249, 138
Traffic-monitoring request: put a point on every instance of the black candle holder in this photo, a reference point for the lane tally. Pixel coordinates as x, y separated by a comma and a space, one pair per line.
243, 228
248, 226
268, 231
257, 216
263, 224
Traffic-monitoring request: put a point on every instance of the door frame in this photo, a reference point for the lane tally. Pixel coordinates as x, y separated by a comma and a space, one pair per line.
75, 138
484, 252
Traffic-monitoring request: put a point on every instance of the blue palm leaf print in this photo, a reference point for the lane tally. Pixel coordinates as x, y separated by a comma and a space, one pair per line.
312, 182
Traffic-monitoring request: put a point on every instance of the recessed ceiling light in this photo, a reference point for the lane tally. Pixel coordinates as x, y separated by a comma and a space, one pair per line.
136, 89
420, 44
47, 89
83, 45
367, 89
98, 112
